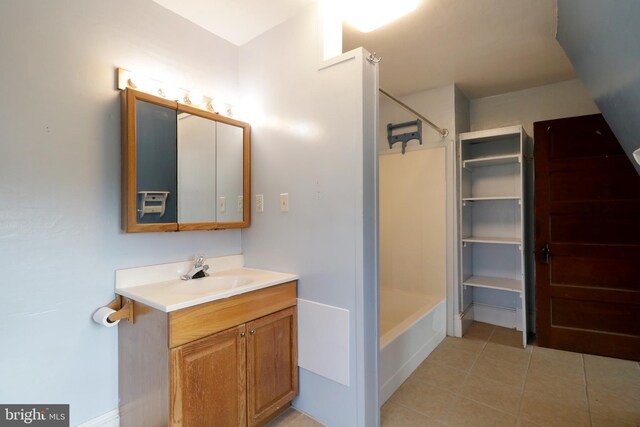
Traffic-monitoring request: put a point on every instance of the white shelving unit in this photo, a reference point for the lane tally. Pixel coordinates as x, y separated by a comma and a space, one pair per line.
494, 274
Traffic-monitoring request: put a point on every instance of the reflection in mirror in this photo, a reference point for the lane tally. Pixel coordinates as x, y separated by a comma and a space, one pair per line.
230, 147
196, 169
156, 187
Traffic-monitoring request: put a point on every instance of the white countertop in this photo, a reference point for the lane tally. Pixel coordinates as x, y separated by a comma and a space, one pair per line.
171, 295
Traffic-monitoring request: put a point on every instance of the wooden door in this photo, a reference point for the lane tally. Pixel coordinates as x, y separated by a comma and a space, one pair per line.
587, 245
272, 365
208, 381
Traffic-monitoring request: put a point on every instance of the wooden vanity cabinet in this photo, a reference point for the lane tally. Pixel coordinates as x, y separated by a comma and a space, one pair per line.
211, 374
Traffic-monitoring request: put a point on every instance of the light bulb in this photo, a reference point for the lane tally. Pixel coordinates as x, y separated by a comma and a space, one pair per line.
219, 106
195, 97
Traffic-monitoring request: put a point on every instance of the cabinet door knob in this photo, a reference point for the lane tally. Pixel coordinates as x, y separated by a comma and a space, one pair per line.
243, 333
253, 331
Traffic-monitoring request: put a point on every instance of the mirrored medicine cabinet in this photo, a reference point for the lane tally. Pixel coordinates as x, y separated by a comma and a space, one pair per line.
183, 168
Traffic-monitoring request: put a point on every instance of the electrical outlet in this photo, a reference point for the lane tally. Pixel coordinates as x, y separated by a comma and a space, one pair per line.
259, 203
284, 202
240, 206
222, 205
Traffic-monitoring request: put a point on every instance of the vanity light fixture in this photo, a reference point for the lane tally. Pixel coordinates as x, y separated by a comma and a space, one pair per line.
193, 98
222, 106
129, 79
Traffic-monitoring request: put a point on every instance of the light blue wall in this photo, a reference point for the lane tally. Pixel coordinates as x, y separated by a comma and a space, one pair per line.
601, 39
60, 238
314, 138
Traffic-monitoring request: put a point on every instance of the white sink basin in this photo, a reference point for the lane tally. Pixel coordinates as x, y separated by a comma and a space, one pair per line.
207, 285
175, 294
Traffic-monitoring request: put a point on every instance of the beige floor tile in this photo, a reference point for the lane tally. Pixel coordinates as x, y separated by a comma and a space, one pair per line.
480, 331
467, 413
285, 418
498, 376
562, 364
563, 389
424, 398
618, 405
527, 423
393, 415
621, 376
600, 420
471, 345
554, 355
507, 354
304, 421
498, 395
508, 373
506, 336
598, 364
454, 357
551, 412
440, 375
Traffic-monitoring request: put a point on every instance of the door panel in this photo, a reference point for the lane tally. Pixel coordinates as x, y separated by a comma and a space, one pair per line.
211, 369
587, 209
595, 315
573, 265
584, 179
582, 139
272, 364
604, 222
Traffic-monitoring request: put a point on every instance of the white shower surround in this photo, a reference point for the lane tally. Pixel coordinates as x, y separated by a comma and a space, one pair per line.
417, 236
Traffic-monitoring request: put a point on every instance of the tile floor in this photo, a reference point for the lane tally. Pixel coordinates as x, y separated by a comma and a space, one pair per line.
293, 418
488, 379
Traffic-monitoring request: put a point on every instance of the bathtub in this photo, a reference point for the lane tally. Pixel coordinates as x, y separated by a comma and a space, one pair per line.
411, 326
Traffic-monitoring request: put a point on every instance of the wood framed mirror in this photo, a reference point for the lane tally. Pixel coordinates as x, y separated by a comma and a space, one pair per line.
183, 168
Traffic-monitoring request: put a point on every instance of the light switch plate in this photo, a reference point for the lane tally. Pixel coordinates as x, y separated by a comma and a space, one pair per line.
240, 207
284, 202
222, 205
259, 203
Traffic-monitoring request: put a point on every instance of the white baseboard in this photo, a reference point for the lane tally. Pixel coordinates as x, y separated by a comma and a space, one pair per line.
110, 419
494, 315
519, 319
458, 330
463, 321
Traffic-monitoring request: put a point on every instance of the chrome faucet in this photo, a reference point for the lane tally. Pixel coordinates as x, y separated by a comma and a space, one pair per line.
198, 270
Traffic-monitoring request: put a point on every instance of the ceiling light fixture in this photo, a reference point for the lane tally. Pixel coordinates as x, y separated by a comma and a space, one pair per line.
368, 15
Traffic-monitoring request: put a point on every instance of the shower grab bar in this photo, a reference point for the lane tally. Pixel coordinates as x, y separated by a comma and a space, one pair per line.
442, 131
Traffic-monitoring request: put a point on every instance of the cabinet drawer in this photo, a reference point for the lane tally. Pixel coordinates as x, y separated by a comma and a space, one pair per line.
196, 322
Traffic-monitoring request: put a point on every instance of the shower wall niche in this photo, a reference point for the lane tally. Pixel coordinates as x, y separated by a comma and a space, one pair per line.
494, 227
